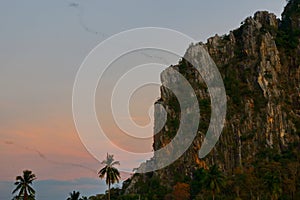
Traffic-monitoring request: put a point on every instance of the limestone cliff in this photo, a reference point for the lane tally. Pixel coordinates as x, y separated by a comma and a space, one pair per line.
260, 66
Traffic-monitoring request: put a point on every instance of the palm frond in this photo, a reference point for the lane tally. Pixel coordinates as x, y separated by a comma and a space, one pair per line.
17, 188
115, 163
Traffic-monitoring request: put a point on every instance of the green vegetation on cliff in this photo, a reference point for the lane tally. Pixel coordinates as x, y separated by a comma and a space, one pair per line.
257, 156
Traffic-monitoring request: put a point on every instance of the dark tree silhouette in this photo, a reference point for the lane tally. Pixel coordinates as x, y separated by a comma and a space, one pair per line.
110, 172
23, 185
74, 195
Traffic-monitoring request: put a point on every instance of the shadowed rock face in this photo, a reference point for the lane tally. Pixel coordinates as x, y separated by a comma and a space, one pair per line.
260, 65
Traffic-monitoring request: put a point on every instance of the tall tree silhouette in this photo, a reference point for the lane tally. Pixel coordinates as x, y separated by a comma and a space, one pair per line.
74, 195
111, 173
23, 185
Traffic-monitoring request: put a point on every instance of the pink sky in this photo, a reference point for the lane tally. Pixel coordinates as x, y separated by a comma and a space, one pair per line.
52, 149
44, 149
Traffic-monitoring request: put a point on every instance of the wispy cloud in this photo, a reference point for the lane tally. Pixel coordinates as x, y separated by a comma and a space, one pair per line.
80, 13
44, 157
124, 174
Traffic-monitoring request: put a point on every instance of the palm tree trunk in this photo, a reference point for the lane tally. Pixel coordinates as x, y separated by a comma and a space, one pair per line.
213, 195
109, 191
25, 195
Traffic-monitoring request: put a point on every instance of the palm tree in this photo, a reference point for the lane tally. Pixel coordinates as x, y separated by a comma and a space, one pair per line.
23, 184
214, 180
198, 181
30, 197
112, 174
74, 195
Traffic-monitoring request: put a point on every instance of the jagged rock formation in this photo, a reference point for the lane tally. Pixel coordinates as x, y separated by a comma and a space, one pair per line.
260, 66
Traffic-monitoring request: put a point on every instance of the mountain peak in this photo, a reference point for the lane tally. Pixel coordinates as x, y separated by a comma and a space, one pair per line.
266, 19
291, 15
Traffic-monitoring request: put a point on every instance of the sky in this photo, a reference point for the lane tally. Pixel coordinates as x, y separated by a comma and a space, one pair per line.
42, 45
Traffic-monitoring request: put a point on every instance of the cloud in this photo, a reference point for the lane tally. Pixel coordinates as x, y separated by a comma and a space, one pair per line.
57, 189
44, 157
80, 9
47, 165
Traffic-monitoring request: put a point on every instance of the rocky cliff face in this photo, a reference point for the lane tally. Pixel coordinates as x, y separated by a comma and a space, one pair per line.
260, 66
